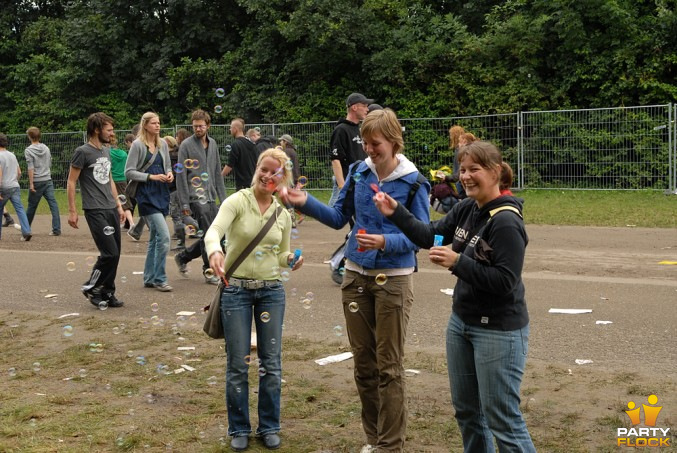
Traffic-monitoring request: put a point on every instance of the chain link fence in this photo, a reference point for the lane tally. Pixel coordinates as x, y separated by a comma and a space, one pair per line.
628, 148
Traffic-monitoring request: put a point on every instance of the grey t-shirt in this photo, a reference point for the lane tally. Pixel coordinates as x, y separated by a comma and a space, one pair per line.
9, 166
94, 177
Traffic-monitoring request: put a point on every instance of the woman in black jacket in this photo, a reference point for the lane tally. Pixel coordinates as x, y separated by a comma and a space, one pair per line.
488, 331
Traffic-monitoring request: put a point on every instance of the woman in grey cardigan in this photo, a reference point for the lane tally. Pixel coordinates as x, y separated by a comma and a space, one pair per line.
148, 163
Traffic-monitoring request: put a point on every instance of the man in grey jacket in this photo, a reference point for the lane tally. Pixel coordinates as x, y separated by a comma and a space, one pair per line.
39, 162
198, 185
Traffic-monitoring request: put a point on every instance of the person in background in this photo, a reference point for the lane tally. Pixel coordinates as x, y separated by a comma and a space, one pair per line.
152, 196
377, 289
174, 207
38, 163
181, 135
488, 330
242, 156
198, 189
287, 145
253, 135
373, 107
10, 173
118, 159
253, 290
90, 166
449, 190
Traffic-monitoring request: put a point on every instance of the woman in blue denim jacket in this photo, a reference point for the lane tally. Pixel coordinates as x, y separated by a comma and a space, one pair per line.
377, 289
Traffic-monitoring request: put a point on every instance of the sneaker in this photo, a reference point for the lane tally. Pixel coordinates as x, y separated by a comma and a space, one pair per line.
8, 221
55, 233
26, 237
163, 287
271, 441
135, 236
114, 302
148, 285
183, 270
17, 226
213, 280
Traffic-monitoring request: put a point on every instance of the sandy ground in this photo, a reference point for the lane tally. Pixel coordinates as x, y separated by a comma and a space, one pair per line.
615, 272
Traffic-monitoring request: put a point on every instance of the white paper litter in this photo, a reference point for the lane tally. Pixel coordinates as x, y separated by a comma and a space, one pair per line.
188, 367
582, 361
68, 315
186, 348
447, 291
603, 322
411, 372
138, 273
179, 370
185, 313
51, 296
570, 311
334, 358
603, 298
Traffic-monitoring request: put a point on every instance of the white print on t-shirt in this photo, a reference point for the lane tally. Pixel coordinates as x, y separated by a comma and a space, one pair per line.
357, 139
101, 170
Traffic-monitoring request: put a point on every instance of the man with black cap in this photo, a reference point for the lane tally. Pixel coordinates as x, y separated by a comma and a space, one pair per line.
346, 143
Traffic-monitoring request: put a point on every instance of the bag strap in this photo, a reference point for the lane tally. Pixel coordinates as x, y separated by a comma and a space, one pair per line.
254, 242
147, 165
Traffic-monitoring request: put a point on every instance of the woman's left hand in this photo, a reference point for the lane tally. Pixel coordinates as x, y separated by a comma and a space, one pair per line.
370, 241
443, 256
170, 177
298, 264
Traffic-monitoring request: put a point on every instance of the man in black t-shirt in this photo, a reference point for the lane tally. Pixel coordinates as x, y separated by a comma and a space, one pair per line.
91, 167
242, 157
346, 143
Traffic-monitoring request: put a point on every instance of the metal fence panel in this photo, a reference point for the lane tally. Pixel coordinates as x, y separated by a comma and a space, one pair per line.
611, 148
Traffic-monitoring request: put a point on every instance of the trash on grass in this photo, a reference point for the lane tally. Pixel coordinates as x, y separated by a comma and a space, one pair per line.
570, 311
334, 358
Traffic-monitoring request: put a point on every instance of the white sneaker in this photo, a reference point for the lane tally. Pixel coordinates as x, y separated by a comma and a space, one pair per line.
17, 226
367, 449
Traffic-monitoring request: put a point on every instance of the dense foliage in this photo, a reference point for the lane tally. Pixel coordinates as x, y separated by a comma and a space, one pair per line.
284, 60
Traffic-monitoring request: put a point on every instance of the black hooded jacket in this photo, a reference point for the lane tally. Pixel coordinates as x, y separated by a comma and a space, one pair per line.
489, 291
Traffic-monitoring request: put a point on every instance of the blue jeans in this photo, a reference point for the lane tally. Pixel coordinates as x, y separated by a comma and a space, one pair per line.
485, 373
334, 192
14, 195
44, 189
237, 307
158, 246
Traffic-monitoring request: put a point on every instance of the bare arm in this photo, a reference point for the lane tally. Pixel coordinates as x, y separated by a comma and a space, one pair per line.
118, 204
31, 174
338, 172
226, 170
73, 176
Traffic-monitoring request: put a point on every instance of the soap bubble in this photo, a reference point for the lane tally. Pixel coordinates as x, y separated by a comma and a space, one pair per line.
228, 148
190, 230
209, 272
103, 305
67, 331
116, 330
353, 307
108, 230
220, 92
275, 249
259, 255
141, 360
154, 306
357, 177
196, 181
218, 109
178, 167
11, 372
307, 303
265, 317
82, 373
212, 380
381, 279
302, 181
289, 165
262, 372
36, 367
310, 295
70, 266
122, 198
338, 331
123, 279
90, 260
284, 276
204, 176
188, 163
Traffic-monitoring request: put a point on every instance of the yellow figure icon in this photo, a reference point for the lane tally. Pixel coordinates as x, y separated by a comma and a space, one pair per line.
651, 412
633, 413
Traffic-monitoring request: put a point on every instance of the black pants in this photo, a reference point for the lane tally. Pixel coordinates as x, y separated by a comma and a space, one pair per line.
102, 278
204, 214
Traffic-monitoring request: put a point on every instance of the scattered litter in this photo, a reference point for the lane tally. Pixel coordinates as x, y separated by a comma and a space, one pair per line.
628, 225
137, 272
326, 262
603, 322
283, 381
185, 313
68, 315
411, 372
334, 358
41, 394
667, 262
67, 379
570, 373
186, 348
187, 367
179, 370
570, 311
582, 361
51, 296
447, 291
603, 298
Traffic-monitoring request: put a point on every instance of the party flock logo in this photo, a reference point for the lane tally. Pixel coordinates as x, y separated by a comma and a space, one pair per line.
647, 436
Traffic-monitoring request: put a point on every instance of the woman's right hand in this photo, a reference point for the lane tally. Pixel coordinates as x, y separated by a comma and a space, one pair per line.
385, 203
216, 263
293, 197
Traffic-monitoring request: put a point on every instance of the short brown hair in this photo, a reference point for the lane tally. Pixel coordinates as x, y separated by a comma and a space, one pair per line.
201, 115
97, 121
33, 133
384, 122
4, 142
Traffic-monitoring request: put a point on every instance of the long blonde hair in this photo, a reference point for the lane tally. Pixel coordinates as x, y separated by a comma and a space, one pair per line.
143, 134
280, 156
